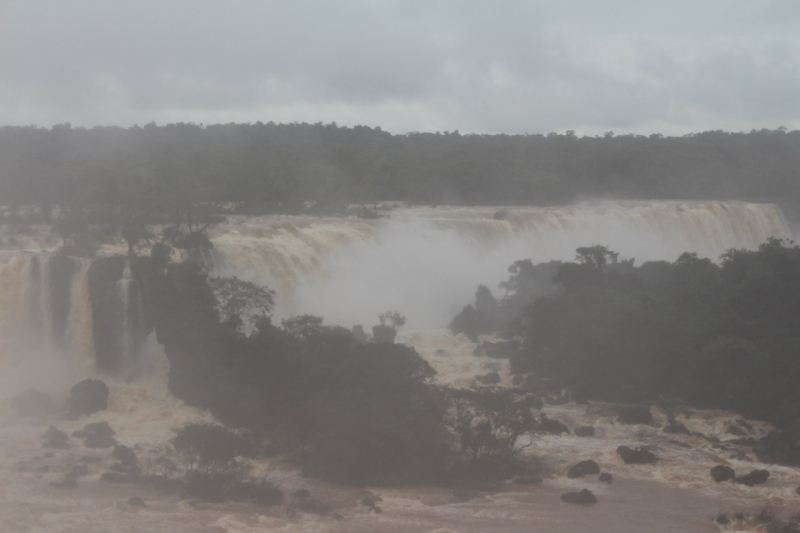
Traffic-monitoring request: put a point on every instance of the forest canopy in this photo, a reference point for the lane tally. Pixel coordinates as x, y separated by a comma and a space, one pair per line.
262, 168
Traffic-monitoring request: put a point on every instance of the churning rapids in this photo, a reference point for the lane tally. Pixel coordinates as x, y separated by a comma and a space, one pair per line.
424, 262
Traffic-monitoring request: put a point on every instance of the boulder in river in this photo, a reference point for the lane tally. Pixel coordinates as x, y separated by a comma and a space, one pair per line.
605, 477
55, 438
636, 414
756, 477
583, 497
722, 473
638, 456
584, 468
492, 378
584, 431
88, 397
136, 501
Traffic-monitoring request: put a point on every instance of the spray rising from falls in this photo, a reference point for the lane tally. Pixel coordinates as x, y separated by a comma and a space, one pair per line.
425, 262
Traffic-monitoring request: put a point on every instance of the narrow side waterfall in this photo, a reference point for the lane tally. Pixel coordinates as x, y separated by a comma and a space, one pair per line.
45, 321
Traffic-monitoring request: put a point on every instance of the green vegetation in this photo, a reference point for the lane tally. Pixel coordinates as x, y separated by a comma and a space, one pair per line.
176, 172
721, 335
343, 407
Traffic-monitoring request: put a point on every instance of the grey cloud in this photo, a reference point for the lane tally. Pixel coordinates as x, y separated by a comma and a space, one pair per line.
504, 66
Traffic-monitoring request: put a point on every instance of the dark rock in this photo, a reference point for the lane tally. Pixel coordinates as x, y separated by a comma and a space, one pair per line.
605, 477
779, 448
302, 493
55, 438
638, 456
109, 312
584, 431
735, 430
797, 490
101, 429
136, 501
551, 426
722, 473
376, 510
125, 455
99, 441
88, 397
528, 479
756, 477
635, 415
79, 471
517, 380
677, 429
467, 322
492, 378
43, 469
584, 468
32, 403
582, 498
368, 502
722, 519
68, 483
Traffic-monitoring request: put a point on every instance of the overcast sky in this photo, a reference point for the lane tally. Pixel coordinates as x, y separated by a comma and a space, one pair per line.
592, 66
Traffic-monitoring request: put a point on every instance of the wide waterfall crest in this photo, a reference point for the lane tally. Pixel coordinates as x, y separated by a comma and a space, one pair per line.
64, 318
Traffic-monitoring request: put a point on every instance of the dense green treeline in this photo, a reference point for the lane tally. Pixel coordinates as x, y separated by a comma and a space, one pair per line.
262, 168
721, 335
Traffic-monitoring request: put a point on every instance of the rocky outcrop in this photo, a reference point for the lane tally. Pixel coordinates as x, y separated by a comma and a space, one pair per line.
779, 448
120, 322
636, 456
634, 415
722, 473
583, 497
88, 397
605, 477
136, 501
584, 468
756, 477
492, 378
55, 438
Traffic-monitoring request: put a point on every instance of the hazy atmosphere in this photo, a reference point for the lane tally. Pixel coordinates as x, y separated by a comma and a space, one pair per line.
477, 67
399, 266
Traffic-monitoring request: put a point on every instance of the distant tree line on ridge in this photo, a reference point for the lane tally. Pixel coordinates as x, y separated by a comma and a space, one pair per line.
155, 171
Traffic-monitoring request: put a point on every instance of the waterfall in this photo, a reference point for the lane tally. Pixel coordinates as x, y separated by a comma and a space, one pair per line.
426, 261
65, 318
42, 324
